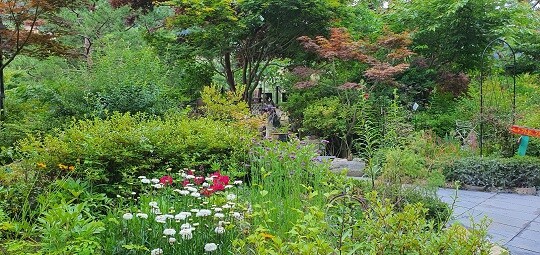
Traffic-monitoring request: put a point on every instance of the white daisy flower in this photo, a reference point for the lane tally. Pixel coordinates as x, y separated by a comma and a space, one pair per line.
237, 215
142, 177
153, 204
219, 215
145, 181
217, 209
226, 206
142, 215
231, 197
157, 251
186, 234
195, 194
189, 176
209, 179
161, 219
206, 184
127, 216
172, 240
191, 189
237, 182
154, 180
210, 247
219, 230
203, 213
158, 185
169, 232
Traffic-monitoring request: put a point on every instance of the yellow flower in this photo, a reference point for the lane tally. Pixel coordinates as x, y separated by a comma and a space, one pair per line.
265, 235
71, 168
62, 167
41, 165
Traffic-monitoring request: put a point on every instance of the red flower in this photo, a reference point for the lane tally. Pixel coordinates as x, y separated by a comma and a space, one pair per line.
207, 192
217, 186
190, 172
166, 180
223, 179
185, 182
198, 180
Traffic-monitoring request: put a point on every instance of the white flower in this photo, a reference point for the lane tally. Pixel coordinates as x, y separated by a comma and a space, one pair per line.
157, 251
155, 180
169, 232
237, 182
186, 234
145, 181
182, 216
206, 184
237, 215
231, 197
189, 176
196, 194
184, 192
226, 206
155, 210
203, 213
142, 215
185, 226
158, 185
219, 215
228, 186
161, 219
217, 209
194, 210
172, 240
153, 204
127, 216
142, 177
219, 230
191, 189
210, 247
209, 179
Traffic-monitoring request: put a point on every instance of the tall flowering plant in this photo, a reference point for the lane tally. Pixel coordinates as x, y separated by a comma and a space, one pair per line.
185, 214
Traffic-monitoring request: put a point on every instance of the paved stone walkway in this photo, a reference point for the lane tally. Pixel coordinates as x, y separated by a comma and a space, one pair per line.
515, 218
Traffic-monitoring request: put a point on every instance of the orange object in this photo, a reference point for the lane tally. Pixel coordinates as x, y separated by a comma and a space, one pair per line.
525, 131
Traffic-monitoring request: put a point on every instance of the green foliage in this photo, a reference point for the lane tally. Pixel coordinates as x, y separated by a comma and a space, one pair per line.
284, 176
68, 229
124, 145
325, 117
514, 172
452, 32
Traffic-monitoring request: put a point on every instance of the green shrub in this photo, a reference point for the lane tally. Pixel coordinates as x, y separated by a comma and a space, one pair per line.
495, 172
124, 145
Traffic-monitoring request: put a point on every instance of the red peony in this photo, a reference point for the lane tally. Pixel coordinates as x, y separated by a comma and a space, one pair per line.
217, 186
198, 180
185, 183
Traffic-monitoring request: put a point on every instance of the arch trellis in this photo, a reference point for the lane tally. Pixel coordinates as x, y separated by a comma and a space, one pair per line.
489, 112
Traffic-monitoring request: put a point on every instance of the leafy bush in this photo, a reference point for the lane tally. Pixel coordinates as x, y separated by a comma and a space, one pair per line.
495, 172
124, 145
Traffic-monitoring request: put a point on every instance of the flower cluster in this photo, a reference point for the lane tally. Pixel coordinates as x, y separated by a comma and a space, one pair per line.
199, 209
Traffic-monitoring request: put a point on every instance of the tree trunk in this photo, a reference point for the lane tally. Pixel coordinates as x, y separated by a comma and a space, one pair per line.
228, 71
2, 88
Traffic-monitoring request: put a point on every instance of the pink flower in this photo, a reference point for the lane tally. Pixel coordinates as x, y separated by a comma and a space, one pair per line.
185, 182
198, 180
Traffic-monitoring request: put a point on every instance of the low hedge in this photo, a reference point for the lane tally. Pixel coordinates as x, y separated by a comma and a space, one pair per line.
125, 146
516, 172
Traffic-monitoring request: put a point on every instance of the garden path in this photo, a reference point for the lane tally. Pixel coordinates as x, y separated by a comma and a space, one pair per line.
515, 218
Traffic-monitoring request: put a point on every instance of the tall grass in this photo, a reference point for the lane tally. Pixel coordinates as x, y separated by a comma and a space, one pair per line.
286, 179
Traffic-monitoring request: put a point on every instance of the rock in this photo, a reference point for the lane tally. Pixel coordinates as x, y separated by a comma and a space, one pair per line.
526, 191
354, 168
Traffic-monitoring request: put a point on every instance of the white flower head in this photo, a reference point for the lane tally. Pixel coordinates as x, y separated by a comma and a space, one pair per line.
228, 186
127, 216
203, 213
185, 226
142, 177
182, 216
219, 215
226, 206
169, 232
237, 182
191, 189
172, 240
161, 219
142, 215
206, 184
209, 247
157, 251
196, 194
219, 230
155, 180
237, 215
158, 185
145, 181
153, 204
231, 197
189, 176
186, 234
217, 209
209, 179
